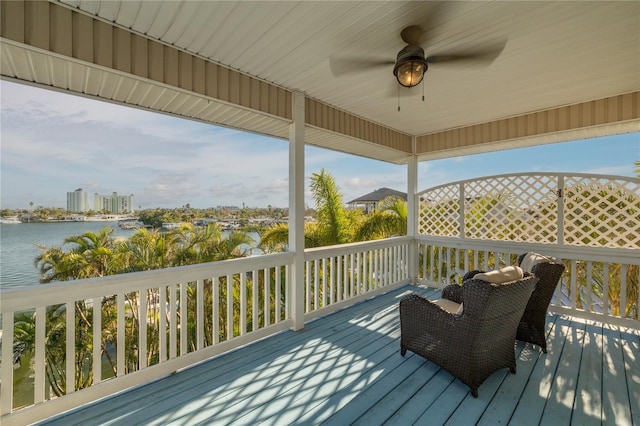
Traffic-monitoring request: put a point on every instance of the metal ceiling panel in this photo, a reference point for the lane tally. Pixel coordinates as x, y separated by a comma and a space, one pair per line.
556, 54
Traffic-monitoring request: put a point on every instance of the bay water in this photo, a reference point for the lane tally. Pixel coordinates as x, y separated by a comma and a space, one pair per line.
19, 246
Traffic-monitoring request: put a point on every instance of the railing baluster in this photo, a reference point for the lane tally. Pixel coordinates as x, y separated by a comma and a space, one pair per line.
255, 300
6, 368
230, 307
39, 356
142, 327
371, 270
623, 291
215, 309
324, 282
352, 290
121, 345
184, 312
70, 367
163, 323
605, 289
243, 305
287, 297
339, 278
588, 299
200, 314
267, 297
173, 322
307, 287
574, 286
278, 295
97, 339
316, 280
360, 274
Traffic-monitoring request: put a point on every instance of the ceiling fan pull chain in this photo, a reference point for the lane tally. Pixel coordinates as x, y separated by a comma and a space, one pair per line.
398, 98
423, 83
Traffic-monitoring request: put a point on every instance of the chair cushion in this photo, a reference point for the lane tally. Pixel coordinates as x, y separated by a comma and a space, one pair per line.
531, 259
449, 306
500, 276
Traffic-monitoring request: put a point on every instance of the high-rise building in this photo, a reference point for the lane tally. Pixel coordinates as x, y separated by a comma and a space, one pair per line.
78, 201
113, 203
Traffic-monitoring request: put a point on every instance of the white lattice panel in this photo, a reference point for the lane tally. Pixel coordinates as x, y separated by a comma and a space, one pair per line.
601, 212
512, 208
440, 211
598, 211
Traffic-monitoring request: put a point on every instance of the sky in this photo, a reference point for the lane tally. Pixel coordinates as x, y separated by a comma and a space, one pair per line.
52, 143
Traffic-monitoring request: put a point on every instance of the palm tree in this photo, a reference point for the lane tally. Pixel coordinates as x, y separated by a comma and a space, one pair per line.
333, 220
334, 223
389, 219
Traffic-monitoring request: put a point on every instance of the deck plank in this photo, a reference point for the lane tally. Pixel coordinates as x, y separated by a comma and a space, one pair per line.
472, 409
631, 354
587, 408
502, 406
413, 407
536, 392
614, 379
346, 368
562, 393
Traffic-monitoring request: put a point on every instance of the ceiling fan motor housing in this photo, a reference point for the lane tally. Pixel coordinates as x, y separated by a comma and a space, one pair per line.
410, 66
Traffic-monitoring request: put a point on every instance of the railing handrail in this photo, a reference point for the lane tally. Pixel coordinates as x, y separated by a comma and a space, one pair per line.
342, 249
20, 298
604, 254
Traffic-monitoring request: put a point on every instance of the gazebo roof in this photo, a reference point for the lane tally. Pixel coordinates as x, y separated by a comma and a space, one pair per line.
568, 70
378, 195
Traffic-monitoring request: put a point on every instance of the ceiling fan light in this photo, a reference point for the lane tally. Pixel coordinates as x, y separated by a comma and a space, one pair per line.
410, 66
410, 74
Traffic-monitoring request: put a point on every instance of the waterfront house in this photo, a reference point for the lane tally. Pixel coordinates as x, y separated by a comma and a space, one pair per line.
321, 73
369, 202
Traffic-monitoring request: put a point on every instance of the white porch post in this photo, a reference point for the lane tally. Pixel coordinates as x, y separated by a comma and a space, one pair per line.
412, 207
296, 209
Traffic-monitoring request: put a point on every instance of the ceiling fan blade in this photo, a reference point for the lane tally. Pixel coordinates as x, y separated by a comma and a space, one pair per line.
347, 65
483, 56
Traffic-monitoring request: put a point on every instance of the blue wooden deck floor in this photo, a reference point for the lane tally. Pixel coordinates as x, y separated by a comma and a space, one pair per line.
346, 368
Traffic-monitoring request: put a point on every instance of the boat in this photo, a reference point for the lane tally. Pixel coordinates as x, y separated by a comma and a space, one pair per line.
8, 220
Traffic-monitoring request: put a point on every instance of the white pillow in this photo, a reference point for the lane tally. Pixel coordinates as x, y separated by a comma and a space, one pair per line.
503, 275
532, 259
449, 306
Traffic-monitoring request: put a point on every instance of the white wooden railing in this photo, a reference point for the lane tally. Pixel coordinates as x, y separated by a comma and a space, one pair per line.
339, 276
190, 314
599, 284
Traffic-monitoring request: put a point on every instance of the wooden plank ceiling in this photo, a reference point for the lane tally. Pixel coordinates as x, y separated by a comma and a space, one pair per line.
568, 70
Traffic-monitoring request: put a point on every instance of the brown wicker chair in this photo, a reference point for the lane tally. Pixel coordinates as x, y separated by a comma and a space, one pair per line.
532, 324
474, 344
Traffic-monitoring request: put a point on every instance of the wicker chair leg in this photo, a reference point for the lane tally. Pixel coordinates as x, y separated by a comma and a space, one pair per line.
403, 351
512, 369
474, 393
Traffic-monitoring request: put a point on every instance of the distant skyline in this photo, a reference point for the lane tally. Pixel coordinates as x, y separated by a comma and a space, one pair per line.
53, 143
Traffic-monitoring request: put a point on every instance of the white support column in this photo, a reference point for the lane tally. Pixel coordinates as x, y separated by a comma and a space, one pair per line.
296, 209
412, 209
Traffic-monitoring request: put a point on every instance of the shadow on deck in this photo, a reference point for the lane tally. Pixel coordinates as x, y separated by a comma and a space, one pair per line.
346, 368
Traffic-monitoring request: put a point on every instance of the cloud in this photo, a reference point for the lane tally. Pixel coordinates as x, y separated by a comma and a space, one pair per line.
54, 142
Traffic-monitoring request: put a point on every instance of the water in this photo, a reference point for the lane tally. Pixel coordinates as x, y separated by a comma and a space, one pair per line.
18, 246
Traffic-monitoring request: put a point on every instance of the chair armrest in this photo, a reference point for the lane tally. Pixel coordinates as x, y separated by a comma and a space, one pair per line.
469, 275
420, 307
452, 292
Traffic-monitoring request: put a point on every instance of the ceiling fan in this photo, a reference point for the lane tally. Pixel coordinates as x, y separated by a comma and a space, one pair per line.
411, 62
